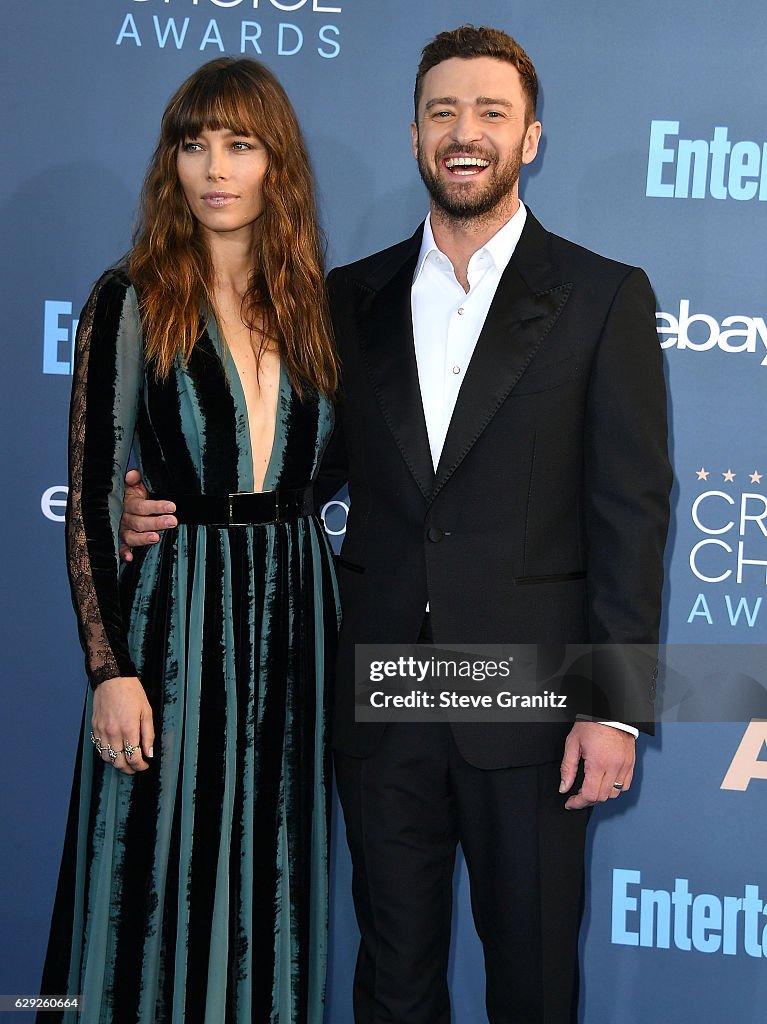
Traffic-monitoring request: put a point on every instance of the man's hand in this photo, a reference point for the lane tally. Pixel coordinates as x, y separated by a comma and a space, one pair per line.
142, 519
608, 758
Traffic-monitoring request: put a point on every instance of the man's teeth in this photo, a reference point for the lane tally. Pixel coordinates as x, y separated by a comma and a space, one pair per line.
466, 161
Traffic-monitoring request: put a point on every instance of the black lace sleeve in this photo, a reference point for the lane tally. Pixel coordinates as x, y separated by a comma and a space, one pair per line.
107, 381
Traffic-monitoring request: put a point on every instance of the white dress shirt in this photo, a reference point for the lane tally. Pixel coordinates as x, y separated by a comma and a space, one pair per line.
447, 322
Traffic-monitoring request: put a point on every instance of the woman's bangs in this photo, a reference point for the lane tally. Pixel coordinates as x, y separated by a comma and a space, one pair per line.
213, 105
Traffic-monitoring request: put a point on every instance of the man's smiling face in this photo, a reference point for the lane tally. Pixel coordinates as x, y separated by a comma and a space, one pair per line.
472, 136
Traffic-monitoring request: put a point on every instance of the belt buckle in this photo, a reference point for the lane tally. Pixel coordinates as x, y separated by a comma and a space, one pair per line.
244, 494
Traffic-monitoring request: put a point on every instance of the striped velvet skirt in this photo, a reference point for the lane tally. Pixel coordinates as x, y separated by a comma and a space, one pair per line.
196, 891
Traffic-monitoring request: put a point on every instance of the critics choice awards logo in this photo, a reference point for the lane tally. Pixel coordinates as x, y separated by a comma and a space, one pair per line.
256, 28
728, 550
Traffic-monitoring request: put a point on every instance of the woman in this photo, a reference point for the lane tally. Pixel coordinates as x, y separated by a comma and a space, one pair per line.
194, 878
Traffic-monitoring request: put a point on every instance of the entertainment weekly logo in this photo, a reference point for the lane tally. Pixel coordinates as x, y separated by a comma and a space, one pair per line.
216, 27
719, 168
678, 917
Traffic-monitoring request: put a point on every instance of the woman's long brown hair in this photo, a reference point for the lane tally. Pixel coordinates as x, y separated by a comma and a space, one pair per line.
170, 264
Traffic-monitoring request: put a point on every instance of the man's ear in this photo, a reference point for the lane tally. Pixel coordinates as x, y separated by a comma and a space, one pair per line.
530, 144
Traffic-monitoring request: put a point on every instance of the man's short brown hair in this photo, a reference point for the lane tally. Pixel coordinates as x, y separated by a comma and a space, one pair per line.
467, 42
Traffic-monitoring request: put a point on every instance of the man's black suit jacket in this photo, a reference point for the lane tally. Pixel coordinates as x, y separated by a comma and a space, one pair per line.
546, 519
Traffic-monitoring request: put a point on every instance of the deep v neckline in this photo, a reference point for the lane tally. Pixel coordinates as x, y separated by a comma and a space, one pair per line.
238, 393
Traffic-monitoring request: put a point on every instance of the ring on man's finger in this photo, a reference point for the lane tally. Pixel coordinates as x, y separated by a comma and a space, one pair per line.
129, 749
618, 785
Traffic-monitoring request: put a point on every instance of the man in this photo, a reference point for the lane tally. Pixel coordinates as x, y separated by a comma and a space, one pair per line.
503, 434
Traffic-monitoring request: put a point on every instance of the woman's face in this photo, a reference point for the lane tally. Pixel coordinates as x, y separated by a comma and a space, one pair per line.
222, 174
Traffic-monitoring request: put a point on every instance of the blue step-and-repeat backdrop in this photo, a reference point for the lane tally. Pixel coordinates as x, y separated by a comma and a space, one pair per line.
655, 153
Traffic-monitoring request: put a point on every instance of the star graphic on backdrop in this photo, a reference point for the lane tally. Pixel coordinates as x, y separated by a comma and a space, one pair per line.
756, 478
729, 476
702, 473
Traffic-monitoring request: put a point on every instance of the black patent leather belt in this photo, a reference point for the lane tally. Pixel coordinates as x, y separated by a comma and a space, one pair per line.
245, 508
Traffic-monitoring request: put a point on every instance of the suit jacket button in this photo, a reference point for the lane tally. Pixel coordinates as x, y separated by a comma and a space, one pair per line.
434, 534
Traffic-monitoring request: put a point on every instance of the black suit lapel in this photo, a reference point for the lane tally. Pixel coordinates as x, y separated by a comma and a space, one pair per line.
520, 317
390, 356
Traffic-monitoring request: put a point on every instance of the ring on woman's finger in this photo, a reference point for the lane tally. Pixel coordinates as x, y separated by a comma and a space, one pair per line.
129, 749
113, 754
96, 741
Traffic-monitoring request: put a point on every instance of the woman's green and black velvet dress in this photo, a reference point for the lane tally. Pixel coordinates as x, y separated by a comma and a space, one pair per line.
196, 891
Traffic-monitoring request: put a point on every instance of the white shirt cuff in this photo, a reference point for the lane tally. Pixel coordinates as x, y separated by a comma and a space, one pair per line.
613, 725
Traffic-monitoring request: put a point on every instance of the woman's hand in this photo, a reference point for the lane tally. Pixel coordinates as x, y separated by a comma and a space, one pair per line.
122, 723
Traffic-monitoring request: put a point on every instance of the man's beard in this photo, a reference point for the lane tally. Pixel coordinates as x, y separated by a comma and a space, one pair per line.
467, 202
